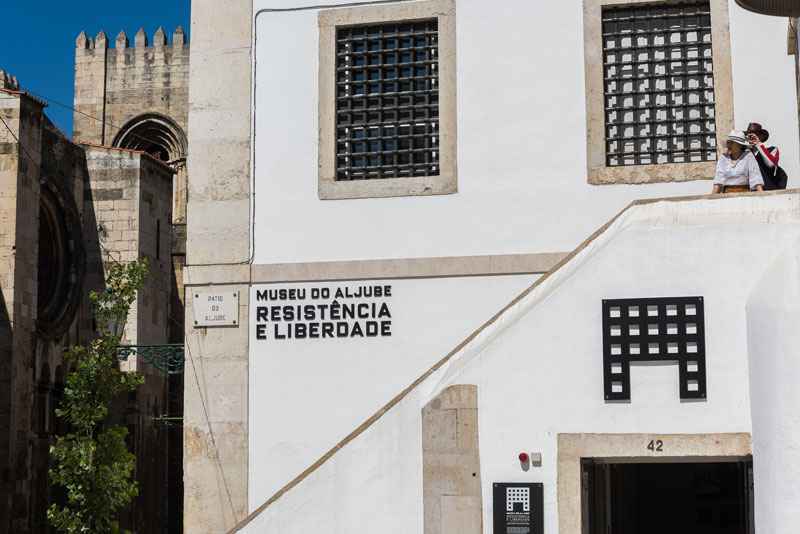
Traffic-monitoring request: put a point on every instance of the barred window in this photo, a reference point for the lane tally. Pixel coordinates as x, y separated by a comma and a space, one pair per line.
658, 84
387, 100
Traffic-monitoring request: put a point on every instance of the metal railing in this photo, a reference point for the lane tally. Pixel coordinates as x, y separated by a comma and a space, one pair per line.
167, 358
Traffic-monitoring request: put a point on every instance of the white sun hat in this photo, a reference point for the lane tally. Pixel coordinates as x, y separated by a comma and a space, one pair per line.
738, 137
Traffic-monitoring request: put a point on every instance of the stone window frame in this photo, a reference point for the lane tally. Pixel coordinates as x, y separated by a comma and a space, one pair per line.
446, 182
598, 172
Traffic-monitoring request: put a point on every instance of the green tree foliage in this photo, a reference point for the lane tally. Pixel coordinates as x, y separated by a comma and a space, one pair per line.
91, 463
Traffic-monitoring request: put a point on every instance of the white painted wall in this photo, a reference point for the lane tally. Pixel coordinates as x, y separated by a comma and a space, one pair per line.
353, 493
674, 253
539, 369
306, 395
521, 138
765, 83
773, 316
522, 188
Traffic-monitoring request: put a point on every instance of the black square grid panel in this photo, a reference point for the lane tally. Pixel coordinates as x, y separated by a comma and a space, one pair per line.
387, 100
658, 84
650, 330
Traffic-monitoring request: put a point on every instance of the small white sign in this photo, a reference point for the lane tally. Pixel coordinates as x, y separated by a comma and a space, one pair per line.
219, 308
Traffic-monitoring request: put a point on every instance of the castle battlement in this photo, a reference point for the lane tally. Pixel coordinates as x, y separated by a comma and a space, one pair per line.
140, 40
7, 81
151, 70
133, 93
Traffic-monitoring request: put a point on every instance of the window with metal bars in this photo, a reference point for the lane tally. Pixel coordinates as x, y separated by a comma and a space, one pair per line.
387, 100
658, 84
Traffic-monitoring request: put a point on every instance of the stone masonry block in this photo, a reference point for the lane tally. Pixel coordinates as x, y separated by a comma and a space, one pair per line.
439, 429
451, 462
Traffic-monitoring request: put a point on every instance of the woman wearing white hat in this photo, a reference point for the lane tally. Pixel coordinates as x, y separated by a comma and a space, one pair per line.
737, 169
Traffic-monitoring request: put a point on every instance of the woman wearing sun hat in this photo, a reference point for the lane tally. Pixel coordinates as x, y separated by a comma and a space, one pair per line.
737, 169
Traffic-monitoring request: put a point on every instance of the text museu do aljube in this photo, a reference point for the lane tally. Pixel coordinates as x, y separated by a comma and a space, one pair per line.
321, 320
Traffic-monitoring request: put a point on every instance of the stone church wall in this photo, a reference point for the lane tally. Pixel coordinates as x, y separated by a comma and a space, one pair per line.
19, 201
118, 207
129, 202
133, 94
36, 162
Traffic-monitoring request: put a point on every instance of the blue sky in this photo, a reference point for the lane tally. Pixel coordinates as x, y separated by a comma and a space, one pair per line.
37, 43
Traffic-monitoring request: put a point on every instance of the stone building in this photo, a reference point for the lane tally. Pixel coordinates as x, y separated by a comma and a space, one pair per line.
43, 298
414, 214
136, 97
130, 194
113, 193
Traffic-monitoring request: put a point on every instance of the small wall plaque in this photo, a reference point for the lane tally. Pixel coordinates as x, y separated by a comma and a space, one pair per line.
215, 308
518, 508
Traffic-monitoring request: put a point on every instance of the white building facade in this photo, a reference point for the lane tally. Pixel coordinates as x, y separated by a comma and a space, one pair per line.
407, 235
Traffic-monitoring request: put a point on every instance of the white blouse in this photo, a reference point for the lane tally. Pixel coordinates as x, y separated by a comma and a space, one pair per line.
742, 171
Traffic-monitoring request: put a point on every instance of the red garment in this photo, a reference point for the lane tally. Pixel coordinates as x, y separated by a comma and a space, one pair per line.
770, 156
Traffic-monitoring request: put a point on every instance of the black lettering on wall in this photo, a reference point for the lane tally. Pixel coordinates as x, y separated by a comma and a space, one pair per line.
348, 311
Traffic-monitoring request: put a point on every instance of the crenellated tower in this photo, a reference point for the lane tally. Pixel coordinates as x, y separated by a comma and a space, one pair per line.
136, 97
8, 81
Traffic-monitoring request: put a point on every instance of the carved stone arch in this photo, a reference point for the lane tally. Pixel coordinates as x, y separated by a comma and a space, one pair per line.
156, 134
162, 138
62, 260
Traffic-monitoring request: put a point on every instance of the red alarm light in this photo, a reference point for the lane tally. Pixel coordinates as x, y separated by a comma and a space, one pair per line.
524, 458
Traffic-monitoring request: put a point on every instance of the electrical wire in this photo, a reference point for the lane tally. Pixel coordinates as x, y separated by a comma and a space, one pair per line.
98, 119
67, 106
210, 430
25, 150
188, 352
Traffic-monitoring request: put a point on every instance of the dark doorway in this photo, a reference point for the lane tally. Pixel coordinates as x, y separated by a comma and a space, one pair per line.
667, 498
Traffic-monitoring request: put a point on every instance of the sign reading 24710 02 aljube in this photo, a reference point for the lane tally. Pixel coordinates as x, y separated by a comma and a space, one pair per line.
322, 312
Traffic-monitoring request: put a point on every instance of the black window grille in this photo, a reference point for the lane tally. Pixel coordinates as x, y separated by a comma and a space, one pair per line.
658, 84
387, 100
654, 330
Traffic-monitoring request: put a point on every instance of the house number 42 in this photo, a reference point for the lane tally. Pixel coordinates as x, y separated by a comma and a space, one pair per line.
655, 445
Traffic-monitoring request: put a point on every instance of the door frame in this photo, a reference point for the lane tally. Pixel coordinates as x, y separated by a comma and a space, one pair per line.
639, 448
